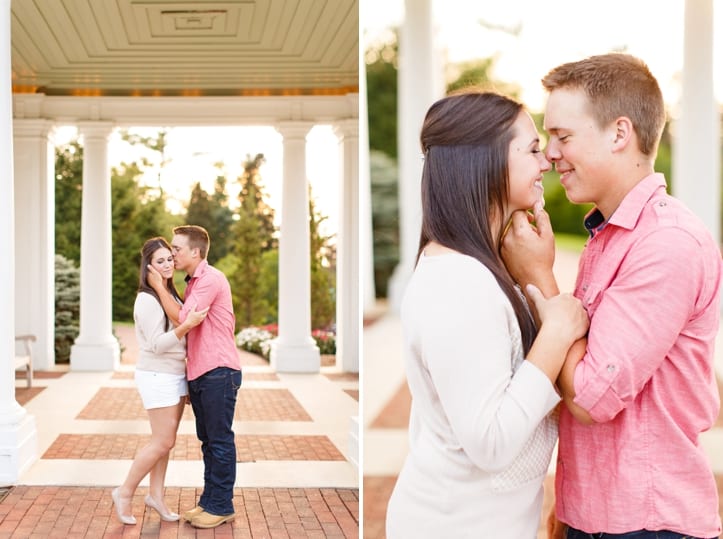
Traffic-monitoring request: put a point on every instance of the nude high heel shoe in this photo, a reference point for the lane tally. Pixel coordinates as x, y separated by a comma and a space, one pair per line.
168, 517
125, 519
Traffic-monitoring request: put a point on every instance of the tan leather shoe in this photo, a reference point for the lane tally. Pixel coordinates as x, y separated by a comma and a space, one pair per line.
188, 515
207, 520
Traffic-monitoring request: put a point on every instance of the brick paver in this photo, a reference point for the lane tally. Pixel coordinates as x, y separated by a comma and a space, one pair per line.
395, 414
377, 491
249, 447
29, 512
252, 404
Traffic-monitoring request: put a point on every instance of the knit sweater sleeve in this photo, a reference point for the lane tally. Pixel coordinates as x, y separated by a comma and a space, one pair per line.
468, 337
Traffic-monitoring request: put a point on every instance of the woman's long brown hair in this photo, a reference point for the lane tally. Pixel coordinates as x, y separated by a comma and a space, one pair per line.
465, 139
150, 247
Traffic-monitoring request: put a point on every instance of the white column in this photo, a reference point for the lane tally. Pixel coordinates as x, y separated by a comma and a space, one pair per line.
34, 164
18, 434
294, 350
348, 325
696, 151
95, 349
366, 235
418, 88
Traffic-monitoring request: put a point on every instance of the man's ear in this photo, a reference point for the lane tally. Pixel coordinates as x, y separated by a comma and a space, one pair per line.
622, 133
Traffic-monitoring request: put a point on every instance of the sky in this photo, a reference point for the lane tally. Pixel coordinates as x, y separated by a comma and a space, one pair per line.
552, 32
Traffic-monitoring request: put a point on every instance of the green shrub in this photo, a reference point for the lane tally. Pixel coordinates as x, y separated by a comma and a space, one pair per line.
67, 307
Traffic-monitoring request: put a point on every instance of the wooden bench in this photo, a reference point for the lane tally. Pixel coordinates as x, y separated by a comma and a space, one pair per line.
25, 361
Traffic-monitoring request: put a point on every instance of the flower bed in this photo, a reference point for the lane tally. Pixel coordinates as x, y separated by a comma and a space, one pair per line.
257, 340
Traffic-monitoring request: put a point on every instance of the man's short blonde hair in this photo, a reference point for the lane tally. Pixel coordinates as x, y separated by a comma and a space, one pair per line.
616, 85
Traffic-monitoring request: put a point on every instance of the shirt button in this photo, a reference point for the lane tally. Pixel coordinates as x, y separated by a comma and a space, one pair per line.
611, 368
661, 204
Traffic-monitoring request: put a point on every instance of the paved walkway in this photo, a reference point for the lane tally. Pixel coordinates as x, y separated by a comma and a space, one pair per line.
386, 412
294, 475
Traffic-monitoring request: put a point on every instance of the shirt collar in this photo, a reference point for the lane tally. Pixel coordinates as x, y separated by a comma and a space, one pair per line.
628, 212
200, 270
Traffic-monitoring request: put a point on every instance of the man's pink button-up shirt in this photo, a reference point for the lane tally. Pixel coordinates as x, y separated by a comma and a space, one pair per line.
212, 343
650, 280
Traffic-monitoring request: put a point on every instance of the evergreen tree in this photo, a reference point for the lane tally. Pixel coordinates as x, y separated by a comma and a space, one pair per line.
68, 199
385, 218
199, 208
67, 307
222, 219
323, 272
212, 213
253, 235
381, 66
269, 283
253, 194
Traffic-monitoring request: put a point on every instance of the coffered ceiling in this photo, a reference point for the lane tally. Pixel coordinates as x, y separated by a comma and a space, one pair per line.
184, 47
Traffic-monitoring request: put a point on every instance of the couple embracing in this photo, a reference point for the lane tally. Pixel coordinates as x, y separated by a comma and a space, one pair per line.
498, 360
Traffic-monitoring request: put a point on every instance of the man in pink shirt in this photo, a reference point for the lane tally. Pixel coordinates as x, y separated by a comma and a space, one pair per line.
641, 388
213, 369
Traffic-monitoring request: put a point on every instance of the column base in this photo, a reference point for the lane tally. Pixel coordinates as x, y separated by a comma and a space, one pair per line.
295, 358
95, 357
18, 447
347, 356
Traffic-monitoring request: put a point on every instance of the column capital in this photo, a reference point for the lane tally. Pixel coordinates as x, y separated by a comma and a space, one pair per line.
346, 128
96, 130
35, 127
293, 130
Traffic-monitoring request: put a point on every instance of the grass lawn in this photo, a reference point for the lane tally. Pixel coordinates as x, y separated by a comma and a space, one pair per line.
570, 242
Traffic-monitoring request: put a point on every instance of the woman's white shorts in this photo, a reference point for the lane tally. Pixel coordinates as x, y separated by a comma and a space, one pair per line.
160, 389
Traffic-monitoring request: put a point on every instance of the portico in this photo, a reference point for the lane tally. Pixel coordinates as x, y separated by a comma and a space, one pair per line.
162, 64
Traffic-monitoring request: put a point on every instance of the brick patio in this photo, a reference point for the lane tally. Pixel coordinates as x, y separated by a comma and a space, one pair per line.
293, 477
59, 512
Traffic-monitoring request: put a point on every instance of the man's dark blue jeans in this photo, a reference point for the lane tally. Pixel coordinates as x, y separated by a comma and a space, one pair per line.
640, 534
213, 398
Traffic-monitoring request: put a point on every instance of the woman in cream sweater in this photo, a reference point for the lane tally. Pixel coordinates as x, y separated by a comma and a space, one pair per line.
480, 371
161, 379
